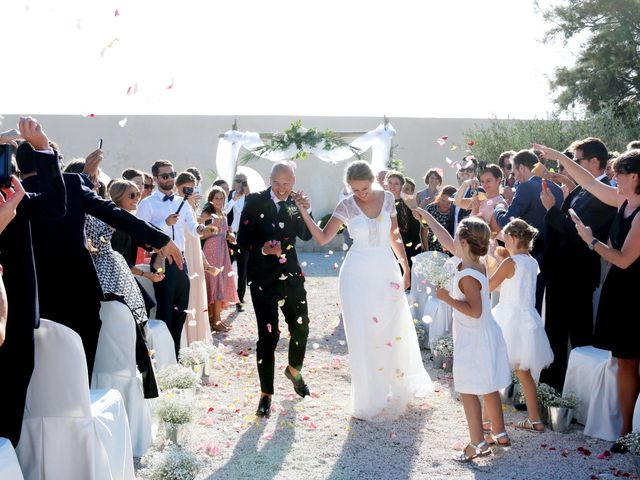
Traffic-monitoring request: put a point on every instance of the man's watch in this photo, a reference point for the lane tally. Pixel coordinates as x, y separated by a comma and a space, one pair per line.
593, 243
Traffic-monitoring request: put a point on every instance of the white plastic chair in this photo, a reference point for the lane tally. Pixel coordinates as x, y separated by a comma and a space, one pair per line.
115, 367
60, 437
9, 466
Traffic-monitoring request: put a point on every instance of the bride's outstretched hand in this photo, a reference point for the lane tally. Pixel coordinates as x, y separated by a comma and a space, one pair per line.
301, 199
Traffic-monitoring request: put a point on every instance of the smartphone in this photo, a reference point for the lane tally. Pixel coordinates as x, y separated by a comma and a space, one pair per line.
574, 216
100, 144
6, 152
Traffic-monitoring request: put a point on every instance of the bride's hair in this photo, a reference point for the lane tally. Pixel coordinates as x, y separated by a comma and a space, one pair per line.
477, 234
359, 170
521, 230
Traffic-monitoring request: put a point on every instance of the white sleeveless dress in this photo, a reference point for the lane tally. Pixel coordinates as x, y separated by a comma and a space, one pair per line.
527, 343
384, 356
480, 362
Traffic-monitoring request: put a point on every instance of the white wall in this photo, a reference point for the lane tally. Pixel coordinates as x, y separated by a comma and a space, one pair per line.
192, 141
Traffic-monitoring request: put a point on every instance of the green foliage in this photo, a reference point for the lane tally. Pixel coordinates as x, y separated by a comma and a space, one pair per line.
614, 129
394, 162
607, 69
299, 136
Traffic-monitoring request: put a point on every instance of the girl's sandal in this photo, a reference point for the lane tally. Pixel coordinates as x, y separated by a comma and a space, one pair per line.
495, 440
529, 426
486, 428
478, 452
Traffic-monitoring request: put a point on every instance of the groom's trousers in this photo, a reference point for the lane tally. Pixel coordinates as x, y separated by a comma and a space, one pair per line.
290, 296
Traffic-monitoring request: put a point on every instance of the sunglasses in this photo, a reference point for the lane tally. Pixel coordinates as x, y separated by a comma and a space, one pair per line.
508, 166
133, 195
581, 158
167, 176
148, 186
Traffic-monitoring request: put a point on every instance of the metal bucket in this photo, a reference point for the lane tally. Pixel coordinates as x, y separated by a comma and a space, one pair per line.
172, 432
560, 418
511, 394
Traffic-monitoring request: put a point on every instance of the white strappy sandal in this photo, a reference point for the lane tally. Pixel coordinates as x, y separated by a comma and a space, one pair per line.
478, 452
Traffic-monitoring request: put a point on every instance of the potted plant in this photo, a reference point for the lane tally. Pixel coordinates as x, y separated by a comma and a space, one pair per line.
443, 353
171, 463
559, 409
632, 442
178, 377
174, 410
189, 357
207, 352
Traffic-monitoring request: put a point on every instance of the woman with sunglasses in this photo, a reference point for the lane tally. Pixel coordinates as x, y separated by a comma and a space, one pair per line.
617, 328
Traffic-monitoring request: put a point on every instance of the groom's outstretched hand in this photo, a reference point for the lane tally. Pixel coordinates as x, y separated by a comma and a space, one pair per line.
272, 248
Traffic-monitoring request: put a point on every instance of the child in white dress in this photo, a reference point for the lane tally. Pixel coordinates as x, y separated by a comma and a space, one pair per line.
480, 363
527, 343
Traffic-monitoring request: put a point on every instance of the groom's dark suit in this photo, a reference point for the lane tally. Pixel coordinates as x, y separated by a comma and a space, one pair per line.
275, 281
572, 273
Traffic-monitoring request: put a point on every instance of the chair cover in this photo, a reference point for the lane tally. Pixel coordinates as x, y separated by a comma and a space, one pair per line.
584, 370
161, 342
604, 419
112, 425
9, 466
115, 367
59, 438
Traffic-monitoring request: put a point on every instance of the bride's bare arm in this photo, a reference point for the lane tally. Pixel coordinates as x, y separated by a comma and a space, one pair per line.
320, 235
441, 233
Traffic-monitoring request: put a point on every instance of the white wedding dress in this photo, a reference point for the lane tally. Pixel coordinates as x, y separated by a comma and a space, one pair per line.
384, 355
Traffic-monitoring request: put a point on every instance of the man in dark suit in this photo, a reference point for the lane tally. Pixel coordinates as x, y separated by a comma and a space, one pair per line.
233, 209
526, 206
70, 291
16, 257
571, 269
269, 226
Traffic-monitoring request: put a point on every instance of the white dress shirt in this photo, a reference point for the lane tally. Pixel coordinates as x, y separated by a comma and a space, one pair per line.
155, 211
236, 206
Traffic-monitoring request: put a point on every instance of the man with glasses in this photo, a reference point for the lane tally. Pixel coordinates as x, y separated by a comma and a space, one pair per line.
571, 269
233, 209
161, 210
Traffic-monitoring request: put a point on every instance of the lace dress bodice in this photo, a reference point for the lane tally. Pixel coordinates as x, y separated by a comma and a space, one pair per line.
367, 232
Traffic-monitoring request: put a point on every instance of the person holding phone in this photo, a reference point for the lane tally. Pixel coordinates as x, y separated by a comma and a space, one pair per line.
233, 210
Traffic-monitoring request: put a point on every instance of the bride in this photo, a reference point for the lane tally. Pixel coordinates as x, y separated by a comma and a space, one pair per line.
385, 361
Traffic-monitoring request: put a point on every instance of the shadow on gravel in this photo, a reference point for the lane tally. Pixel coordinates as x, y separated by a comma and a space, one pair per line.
249, 462
378, 450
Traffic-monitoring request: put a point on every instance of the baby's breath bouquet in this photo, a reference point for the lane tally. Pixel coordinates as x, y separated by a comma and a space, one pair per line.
632, 442
433, 267
190, 357
204, 349
177, 376
550, 397
174, 408
444, 347
171, 463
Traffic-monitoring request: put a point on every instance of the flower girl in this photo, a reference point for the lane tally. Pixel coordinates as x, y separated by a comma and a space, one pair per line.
527, 343
480, 363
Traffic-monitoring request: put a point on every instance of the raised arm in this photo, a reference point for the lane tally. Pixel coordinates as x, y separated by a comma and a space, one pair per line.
320, 235
397, 246
620, 258
604, 193
441, 233
459, 200
507, 269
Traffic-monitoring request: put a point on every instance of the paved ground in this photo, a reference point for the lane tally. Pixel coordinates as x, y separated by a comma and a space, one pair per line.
316, 438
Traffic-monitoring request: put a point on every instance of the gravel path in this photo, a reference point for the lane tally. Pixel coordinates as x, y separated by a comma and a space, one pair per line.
316, 439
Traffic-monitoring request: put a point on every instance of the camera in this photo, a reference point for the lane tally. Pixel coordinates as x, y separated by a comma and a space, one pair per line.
6, 152
187, 191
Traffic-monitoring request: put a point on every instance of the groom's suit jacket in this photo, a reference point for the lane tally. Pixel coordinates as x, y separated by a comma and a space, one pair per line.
567, 256
260, 223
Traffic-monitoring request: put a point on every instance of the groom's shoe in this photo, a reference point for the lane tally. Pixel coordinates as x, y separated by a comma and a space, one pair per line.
264, 407
298, 383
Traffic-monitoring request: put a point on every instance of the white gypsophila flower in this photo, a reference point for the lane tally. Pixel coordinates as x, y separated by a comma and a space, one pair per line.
177, 376
204, 348
189, 357
174, 408
632, 442
435, 269
444, 347
171, 463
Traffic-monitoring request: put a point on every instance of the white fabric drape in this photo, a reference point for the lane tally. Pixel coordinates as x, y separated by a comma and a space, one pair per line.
378, 140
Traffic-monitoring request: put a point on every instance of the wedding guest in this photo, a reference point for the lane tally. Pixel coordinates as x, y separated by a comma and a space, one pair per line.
197, 319
116, 281
233, 210
196, 173
409, 186
125, 195
381, 177
483, 369
135, 176
609, 169
409, 226
67, 252
442, 210
527, 206
617, 328
522, 328
633, 145
16, 258
222, 184
482, 204
467, 171
160, 209
505, 163
570, 269
433, 181
221, 290
148, 186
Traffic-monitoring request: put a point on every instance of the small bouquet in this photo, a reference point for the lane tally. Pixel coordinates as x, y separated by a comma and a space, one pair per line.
176, 409
177, 376
435, 269
632, 442
550, 397
172, 463
204, 349
444, 347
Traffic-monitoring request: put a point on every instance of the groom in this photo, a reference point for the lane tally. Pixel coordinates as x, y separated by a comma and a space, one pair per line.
269, 225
